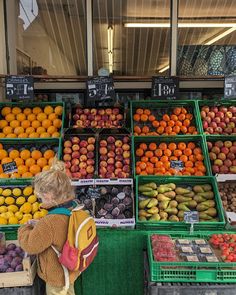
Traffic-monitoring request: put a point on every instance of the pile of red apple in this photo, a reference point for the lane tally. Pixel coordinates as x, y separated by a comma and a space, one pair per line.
97, 118
227, 245
219, 120
223, 156
79, 157
114, 157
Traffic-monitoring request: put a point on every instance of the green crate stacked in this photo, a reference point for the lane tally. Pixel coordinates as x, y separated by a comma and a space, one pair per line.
30, 138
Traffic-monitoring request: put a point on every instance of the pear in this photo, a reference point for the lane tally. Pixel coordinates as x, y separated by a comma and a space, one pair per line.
153, 202
183, 207
162, 197
207, 195
163, 205
171, 210
173, 204
142, 204
153, 210
155, 217
150, 194
173, 218
181, 199
182, 191
163, 215
151, 185
143, 188
199, 199
198, 189
142, 218
211, 211
163, 189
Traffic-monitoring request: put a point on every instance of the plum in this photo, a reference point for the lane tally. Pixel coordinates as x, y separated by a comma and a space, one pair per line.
3, 268
2, 250
115, 212
19, 267
9, 269
115, 201
108, 207
127, 201
12, 253
121, 207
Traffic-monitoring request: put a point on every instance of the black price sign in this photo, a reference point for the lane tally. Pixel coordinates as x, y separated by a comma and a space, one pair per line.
19, 87
178, 165
230, 87
165, 87
9, 167
100, 91
191, 217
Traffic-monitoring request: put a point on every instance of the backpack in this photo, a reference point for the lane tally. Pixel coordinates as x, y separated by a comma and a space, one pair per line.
81, 245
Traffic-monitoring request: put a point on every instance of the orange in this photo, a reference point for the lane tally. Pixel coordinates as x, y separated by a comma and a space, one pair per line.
189, 116
3, 123
14, 154
192, 158
50, 161
21, 117
163, 124
15, 175
199, 173
138, 170
176, 129
143, 146
160, 130
22, 169
171, 123
44, 135
151, 118
145, 129
172, 146
168, 129
155, 124
48, 110
181, 117
34, 135
18, 130
192, 129
29, 130
49, 154
46, 168
41, 117
37, 110
14, 123
6, 160
19, 161
57, 123
201, 168
143, 166
178, 123
177, 153
40, 130
31, 117
164, 159
137, 129
149, 154
197, 151
189, 164
55, 134
42, 162
152, 146
188, 152
144, 159
23, 135
11, 135
16, 110
3, 175
35, 169
1, 146
35, 124
51, 130
159, 164
149, 170
10, 117
167, 152
136, 117
174, 117
53, 116
7, 130
184, 129
27, 111
163, 146
25, 154
3, 154
58, 110
25, 124
46, 123
199, 163
166, 117
139, 111
182, 146
199, 157
5, 111
147, 112
158, 153
144, 118
143, 173
36, 154
177, 111
29, 162
154, 160
186, 122
27, 175
183, 111
167, 165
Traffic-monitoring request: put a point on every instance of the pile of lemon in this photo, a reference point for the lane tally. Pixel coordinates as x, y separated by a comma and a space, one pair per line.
19, 205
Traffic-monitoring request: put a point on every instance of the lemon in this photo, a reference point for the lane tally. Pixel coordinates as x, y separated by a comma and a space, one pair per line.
32, 199
35, 207
23, 221
20, 200
3, 209
6, 192
12, 208
19, 215
43, 212
1, 189
16, 192
2, 200
3, 220
27, 216
3, 215
13, 220
37, 215
9, 200
28, 191
9, 214
25, 208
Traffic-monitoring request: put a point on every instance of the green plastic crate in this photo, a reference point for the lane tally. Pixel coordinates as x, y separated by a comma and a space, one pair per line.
32, 105
190, 272
181, 180
212, 103
199, 140
191, 105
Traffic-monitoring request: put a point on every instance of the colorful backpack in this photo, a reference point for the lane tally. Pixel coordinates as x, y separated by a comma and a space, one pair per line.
81, 245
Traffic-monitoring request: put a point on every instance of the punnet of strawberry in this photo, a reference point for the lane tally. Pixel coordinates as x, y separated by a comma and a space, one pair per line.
226, 243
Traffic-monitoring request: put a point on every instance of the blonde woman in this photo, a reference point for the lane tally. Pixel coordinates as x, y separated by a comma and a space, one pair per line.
53, 187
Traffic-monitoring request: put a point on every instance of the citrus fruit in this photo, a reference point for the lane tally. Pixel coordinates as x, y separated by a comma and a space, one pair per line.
20, 200
9, 214
16, 192
1, 189
3, 154
36, 154
3, 220
35, 124
27, 111
48, 110
46, 168
12, 208
29, 130
2, 135
57, 123
19, 161
25, 208
49, 154
46, 123
35, 207
3, 175
44, 135
21, 117
23, 135
2, 200
6, 160
13, 220
58, 110
25, 124
5, 111
10, 117
51, 129
15, 175
43, 212
14, 123
25, 154
19, 215
31, 117
37, 110
22, 169
41, 162
3, 209
16, 110
41, 117
11, 135
14, 154
7, 130
27, 175
28, 190
32, 199
52, 116
29, 162
34, 135
56, 134
37, 215
6, 192
35, 169
9, 200
3, 123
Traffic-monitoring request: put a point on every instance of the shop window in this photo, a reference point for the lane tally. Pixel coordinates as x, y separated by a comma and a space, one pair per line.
206, 38
51, 37
131, 37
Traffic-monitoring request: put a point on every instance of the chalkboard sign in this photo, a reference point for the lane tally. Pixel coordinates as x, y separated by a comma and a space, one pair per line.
19, 87
165, 87
230, 87
178, 165
100, 91
9, 167
191, 216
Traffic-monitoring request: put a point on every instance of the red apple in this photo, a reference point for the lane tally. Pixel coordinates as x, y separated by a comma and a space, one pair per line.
75, 162
90, 147
83, 151
90, 155
90, 162
75, 155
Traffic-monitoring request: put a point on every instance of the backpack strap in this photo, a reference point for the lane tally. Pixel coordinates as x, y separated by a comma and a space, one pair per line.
62, 211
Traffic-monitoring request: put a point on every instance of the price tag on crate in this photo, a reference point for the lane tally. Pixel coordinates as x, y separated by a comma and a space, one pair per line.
177, 165
165, 87
19, 87
191, 217
230, 87
100, 91
9, 168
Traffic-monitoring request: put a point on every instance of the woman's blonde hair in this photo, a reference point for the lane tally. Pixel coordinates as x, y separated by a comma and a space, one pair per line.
54, 181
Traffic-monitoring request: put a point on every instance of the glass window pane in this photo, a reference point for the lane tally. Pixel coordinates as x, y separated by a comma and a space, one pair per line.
51, 37
131, 50
206, 37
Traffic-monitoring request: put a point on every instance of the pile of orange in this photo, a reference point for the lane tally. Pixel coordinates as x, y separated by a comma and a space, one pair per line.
154, 159
29, 163
29, 122
179, 121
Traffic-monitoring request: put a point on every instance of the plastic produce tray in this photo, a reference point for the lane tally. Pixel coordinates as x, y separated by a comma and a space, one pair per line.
160, 107
190, 272
181, 180
199, 140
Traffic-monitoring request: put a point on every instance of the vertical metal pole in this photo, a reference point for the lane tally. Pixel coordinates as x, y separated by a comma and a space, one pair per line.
174, 37
89, 14
3, 64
